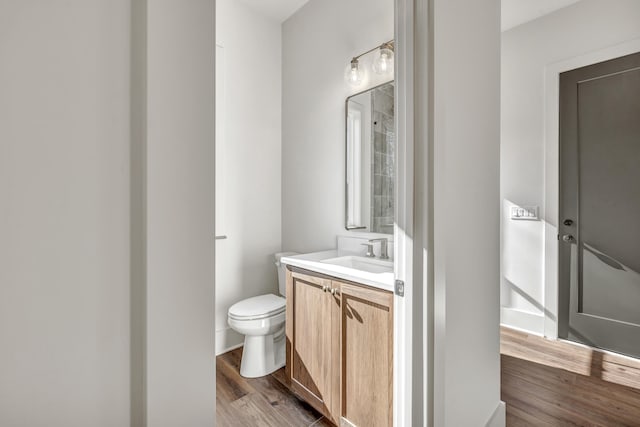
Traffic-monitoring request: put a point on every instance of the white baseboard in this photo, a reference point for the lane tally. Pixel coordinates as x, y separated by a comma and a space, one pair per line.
499, 417
227, 339
523, 320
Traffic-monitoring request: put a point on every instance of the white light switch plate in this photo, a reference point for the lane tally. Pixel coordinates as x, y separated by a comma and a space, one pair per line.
524, 212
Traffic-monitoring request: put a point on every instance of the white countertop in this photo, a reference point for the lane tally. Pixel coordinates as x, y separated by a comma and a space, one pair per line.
314, 262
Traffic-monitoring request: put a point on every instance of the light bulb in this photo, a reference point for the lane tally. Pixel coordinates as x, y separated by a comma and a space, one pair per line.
384, 62
355, 73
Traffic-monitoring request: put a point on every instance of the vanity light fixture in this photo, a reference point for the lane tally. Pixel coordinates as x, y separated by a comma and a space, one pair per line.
382, 64
356, 73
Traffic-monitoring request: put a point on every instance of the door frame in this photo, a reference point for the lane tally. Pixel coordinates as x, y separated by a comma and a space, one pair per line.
403, 224
554, 298
412, 355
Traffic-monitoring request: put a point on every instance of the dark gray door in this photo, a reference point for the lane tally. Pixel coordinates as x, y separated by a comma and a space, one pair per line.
600, 205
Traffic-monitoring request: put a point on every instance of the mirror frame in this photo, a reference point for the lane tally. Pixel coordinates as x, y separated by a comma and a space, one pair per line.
346, 155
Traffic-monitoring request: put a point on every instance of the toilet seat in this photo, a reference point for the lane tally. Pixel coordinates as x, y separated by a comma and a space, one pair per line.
259, 307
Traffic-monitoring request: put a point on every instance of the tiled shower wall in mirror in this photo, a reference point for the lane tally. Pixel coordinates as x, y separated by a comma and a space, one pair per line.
382, 202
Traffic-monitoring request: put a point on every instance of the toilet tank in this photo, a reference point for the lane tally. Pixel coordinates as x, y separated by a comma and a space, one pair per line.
282, 277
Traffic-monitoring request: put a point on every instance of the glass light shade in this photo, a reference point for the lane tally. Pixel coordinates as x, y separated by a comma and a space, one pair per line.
384, 62
354, 73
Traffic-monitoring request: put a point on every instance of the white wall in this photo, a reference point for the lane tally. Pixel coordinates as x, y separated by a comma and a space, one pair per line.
466, 176
64, 220
249, 146
318, 43
83, 190
179, 176
585, 27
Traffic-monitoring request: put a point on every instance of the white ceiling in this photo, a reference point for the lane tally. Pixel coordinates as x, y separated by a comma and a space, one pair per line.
516, 12
279, 10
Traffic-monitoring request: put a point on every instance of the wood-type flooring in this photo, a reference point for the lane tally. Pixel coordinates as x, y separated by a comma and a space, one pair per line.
258, 402
543, 382
559, 383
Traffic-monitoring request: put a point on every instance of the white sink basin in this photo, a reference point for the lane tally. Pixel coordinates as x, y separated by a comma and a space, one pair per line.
347, 266
370, 265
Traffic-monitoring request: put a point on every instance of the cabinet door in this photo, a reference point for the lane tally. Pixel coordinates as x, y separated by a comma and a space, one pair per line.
366, 352
309, 340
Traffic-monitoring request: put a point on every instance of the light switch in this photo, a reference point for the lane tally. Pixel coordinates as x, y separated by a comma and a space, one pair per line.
524, 212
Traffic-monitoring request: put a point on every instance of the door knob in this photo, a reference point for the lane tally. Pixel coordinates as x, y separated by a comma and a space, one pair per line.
568, 238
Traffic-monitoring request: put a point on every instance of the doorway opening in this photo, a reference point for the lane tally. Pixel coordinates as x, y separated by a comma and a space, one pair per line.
280, 179
566, 191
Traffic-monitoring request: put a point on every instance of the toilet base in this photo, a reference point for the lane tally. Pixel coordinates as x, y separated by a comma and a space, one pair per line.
262, 355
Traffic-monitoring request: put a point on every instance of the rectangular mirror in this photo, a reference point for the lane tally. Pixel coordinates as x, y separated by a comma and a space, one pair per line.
370, 169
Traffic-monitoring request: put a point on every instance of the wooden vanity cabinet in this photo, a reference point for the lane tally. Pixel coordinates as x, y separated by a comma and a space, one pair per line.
366, 355
340, 348
310, 340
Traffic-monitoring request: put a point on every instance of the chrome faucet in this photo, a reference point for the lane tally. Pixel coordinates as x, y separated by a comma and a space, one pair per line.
384, 254
370, 253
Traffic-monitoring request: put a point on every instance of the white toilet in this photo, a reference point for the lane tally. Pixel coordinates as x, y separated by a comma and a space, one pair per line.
261, 320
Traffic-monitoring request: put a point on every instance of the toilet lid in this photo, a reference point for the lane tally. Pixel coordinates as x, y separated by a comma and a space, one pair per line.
258, 307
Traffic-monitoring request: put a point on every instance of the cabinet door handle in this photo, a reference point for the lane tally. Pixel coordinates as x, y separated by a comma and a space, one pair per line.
334, 291
326, 288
